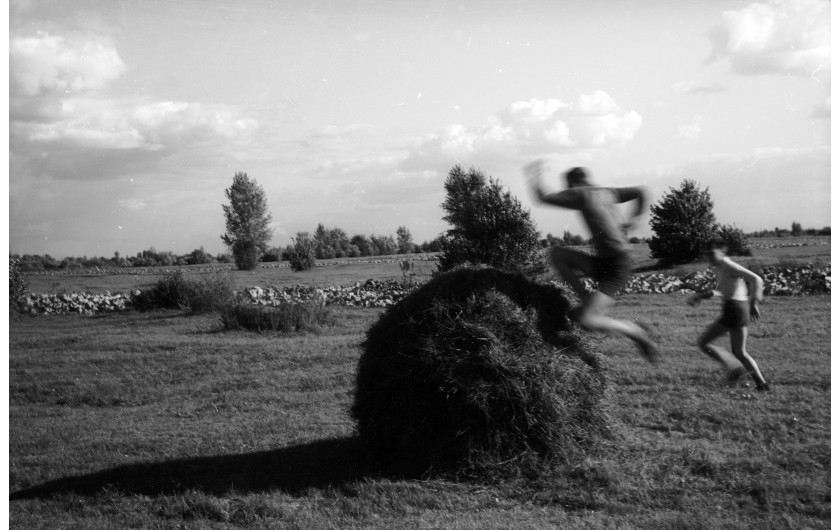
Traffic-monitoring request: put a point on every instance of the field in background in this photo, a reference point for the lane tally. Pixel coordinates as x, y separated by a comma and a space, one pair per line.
347, 272
160, 420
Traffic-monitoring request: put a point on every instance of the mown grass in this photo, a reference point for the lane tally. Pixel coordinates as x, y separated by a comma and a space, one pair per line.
161, 420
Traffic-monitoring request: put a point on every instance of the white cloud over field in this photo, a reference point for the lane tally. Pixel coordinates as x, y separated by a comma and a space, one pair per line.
776, 37
530, 128
67, 121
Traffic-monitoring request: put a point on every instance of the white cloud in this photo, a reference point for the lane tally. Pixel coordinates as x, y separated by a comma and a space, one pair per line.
66, 122
529, 128
776, 37
692, 129
47, 63
761, 189
822, 110
692, 87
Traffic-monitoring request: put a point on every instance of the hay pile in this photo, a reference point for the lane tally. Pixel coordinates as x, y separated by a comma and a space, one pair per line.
478, 374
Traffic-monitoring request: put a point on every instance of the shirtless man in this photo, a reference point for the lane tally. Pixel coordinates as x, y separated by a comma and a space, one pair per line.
741, 290
610, 267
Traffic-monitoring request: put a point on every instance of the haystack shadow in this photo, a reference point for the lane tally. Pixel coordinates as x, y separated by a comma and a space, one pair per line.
292, 470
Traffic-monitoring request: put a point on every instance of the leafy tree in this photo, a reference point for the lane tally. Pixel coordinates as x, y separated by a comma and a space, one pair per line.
683, 224
301, 254
735, 239
361, 242
795, 229
405, 243
489, 226
247, 221
383, 245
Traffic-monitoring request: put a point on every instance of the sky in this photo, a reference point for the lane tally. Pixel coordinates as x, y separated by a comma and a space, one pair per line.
128, 119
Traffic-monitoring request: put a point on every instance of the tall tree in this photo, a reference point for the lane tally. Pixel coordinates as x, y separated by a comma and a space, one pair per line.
489, 226
405, 242
683, 224
247, 221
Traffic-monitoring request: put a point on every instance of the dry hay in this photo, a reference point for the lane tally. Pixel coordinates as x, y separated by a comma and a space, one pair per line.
478, 373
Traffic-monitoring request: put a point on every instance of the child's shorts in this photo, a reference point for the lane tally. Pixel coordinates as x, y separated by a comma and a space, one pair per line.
736, 314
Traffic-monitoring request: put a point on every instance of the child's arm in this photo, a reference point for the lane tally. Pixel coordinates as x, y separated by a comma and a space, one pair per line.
704, 295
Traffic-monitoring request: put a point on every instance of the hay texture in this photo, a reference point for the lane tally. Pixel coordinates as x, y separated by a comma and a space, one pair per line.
478, 373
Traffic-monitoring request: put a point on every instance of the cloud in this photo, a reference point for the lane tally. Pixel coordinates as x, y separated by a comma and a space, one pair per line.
692, 129
532, 127
776, 37
692, 87
761, 189
66, 122
822, 110
47, 63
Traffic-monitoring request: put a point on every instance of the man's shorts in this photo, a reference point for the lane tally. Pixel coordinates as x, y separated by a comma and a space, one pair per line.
611, 273
736, 314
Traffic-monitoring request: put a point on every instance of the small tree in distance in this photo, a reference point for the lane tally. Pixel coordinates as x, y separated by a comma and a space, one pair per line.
489, 226
683, 224
247, 221
405, 242
301, 254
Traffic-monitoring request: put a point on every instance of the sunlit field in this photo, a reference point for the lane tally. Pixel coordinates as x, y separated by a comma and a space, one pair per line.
163, 420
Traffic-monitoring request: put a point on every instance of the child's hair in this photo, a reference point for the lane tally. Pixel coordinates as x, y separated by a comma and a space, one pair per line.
718, 243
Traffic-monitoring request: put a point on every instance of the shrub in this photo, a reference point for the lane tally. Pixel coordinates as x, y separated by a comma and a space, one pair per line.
301, 254
478, 374
302, 316
18, 287
174, 291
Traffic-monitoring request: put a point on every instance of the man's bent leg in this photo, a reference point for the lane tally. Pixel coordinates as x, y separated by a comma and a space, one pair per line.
567, 263
593, 316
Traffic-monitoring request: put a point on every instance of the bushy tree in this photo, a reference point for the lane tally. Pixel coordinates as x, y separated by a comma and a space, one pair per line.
405, 242
795, 229
683, 224
735, 239
18, 286
247, 221
301, 254
489, 226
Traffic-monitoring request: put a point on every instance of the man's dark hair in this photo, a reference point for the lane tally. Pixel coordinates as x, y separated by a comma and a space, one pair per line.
576, 175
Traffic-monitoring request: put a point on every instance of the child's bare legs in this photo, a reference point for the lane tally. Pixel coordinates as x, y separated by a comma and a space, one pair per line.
735, 362
713, 332
738, 339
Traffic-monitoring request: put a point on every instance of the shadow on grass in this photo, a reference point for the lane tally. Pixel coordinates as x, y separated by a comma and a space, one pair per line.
293, 470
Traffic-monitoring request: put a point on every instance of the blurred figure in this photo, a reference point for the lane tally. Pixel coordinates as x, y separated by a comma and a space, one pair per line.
610, 267
741, 290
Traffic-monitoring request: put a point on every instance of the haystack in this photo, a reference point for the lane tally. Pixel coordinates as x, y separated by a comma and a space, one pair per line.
478, 373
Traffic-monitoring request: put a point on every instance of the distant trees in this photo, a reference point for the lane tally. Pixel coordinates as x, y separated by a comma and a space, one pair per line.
488, 226
683, 224
247, 221
405, 243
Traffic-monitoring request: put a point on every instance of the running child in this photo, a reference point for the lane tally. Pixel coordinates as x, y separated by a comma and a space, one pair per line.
741, 290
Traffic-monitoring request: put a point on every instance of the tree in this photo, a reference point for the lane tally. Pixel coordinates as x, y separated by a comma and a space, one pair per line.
489, 226
795, 229
301, 254
247, 221
405, 243
683, 224
736, 240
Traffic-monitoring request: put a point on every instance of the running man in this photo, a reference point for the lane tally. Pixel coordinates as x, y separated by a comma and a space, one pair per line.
610, 267
741, 290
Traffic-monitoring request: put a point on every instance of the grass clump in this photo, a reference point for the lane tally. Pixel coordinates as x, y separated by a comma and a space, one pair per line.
175, 291
283, 316
478, 374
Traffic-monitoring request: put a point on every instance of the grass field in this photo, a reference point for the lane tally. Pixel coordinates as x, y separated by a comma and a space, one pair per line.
161, 420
